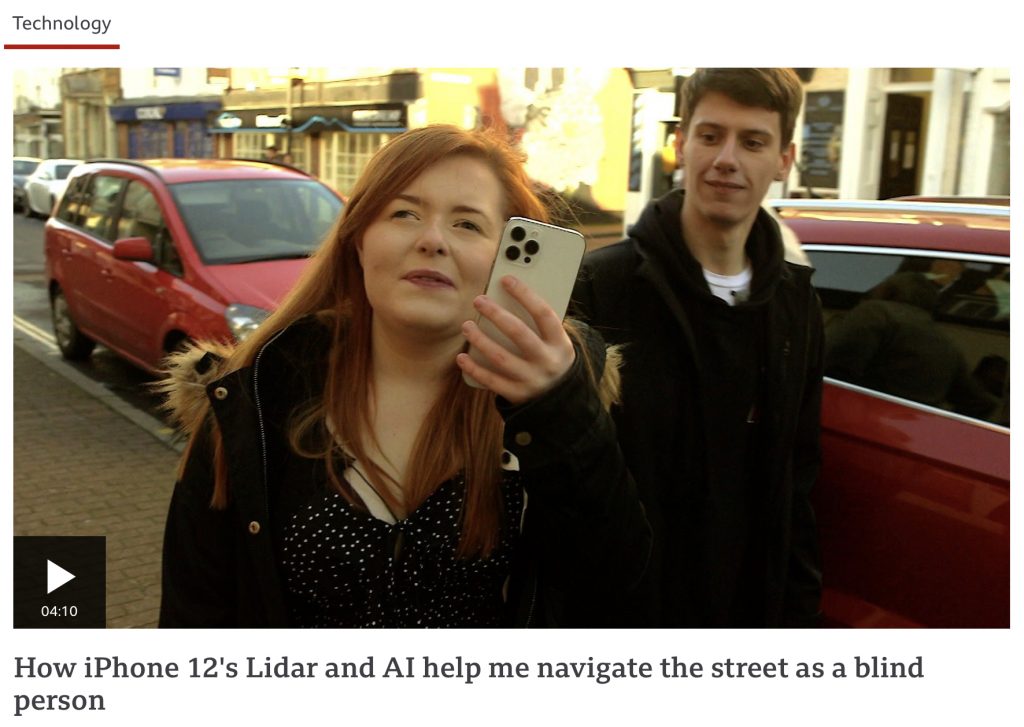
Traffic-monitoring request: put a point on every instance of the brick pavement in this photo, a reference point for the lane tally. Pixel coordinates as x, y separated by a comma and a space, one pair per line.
82, 468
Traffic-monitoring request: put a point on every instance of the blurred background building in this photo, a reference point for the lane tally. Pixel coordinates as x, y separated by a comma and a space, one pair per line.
600, 137
38, 126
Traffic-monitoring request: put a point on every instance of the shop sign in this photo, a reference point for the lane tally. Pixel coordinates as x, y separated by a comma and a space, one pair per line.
150, 113
171, 72
822, 136
266, 121
228, 121
372, 118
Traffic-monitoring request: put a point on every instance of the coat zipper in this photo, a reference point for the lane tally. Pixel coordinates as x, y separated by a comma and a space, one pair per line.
259, 417
533, 576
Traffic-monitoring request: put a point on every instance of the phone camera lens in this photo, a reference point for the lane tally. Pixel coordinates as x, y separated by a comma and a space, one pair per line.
531, 247
512, 252
518, 233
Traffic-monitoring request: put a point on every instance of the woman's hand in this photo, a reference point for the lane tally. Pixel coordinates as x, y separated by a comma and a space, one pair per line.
544, 359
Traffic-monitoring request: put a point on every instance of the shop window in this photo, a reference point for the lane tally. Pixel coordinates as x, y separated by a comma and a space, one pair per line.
250, 146
348, 155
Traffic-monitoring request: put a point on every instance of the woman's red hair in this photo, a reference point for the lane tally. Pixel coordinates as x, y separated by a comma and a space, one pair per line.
463, 431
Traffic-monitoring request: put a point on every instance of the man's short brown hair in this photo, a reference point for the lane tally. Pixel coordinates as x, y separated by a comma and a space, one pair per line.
775, 89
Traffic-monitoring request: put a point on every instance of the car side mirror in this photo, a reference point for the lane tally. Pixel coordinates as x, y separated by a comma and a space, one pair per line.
136, 249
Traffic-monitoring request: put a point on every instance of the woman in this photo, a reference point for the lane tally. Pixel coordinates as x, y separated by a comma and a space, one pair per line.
341, 473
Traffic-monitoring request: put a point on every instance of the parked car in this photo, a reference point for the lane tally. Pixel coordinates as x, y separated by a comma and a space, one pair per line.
141, 256
45, 185
913, 501
23, 166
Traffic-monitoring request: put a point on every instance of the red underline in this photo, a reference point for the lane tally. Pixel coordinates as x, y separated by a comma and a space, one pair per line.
62, 46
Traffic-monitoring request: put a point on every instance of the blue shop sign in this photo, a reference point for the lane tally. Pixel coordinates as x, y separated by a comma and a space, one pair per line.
172, 72
180, 111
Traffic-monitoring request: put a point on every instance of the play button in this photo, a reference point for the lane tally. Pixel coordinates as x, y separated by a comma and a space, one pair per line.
60, 581
56, 576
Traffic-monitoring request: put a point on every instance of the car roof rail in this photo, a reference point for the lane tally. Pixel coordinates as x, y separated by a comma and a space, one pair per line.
116, 160
272, 162
156, 170
886, 205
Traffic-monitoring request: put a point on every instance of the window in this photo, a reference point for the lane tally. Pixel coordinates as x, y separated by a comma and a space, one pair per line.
141, 217
248, 220
250, 146
347, 156
105, 193
931, 329
24, 167
75, 201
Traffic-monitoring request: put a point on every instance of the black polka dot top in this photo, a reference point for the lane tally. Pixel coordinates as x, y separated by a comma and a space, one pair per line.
345, 568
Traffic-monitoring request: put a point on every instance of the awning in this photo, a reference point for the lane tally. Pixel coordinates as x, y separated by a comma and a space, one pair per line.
390, 118
235, 121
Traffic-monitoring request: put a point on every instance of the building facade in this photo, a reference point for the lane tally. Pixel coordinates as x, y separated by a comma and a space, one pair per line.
863, 133
38, 128
572, 123
162, 112
86, 96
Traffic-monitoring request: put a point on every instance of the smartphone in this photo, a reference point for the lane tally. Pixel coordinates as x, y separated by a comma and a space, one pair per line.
546, 258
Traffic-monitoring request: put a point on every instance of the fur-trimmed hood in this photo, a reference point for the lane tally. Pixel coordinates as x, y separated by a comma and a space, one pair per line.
189, 371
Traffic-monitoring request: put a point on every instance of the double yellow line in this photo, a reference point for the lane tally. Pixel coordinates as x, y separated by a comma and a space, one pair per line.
33, 331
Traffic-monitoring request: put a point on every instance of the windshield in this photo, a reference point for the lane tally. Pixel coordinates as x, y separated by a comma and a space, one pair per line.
24, 166
249, 220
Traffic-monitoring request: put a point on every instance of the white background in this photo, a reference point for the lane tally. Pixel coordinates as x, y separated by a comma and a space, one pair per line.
970, 677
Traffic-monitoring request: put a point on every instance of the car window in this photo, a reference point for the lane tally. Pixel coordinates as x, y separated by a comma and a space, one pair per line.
256, 219
99, 218
141, 217
62, 170
24, 167
930, 329
75, 198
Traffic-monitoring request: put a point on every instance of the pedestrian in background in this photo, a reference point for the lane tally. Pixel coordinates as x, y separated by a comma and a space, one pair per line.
721, 378
341, 473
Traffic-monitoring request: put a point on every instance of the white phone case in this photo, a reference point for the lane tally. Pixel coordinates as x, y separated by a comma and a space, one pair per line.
545, 257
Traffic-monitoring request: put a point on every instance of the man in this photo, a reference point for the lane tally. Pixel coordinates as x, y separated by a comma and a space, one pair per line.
722, 348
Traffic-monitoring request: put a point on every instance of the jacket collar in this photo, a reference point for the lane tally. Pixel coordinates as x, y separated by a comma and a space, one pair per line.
669, 265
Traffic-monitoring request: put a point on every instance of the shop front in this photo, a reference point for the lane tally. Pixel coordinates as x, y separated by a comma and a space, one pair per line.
332, 142
164, 127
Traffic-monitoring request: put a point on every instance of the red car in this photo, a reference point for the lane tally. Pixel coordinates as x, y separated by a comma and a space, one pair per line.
913, 501
141, 256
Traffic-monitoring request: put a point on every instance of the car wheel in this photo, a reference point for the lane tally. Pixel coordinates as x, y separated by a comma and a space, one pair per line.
73, 344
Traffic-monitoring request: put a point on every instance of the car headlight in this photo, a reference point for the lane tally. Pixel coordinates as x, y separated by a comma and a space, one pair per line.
244, 319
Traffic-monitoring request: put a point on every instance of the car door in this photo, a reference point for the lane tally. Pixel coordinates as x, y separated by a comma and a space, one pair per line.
150, 294
913, 498
75, 255
94, 292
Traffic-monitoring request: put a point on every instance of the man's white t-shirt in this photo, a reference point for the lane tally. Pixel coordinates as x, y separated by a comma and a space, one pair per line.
732, 289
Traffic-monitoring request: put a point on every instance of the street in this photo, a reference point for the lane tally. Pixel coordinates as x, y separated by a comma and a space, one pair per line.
32, 312
90, 455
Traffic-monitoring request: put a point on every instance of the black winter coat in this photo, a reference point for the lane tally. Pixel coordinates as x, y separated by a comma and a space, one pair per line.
637, 293
584, 536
